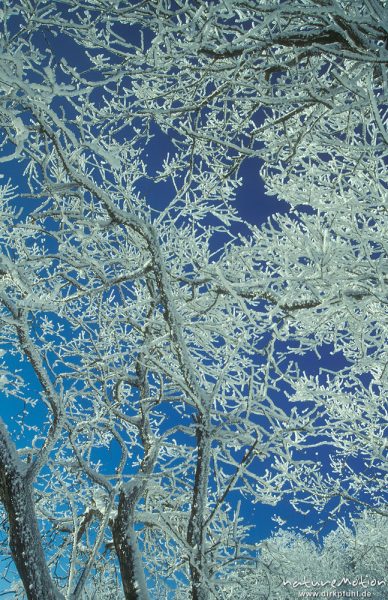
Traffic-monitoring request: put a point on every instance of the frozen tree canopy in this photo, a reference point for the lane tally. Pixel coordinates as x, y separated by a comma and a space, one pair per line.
166, 368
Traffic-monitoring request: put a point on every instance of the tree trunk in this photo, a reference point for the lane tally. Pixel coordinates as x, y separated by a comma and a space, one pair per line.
24, 537
196, 532
125, 542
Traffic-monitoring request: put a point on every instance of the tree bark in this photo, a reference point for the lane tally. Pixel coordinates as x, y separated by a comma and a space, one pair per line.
25, 542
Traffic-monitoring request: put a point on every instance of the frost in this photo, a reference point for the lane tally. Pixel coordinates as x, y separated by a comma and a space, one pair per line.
165, 366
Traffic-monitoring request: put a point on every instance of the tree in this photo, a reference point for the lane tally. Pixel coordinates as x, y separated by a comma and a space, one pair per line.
349, 559
162, 371
306, 78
